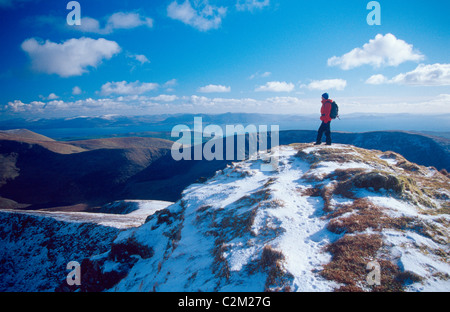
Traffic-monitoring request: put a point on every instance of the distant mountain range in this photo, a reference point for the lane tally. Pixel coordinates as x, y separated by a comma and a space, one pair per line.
113, 125
38, 172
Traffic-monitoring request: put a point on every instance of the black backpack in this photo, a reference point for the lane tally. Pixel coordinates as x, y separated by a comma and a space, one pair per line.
334, 110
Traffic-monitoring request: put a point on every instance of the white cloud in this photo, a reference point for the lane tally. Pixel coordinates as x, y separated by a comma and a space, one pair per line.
382, 51
167, 104
18, 106
425, 105
276, 86
377, 79
250, 5
88, 105
202, 103
70, 58
127, 88
140, 58
52, 96
164, 98
426, 75
119, 20
423, 75
123, 20
214, 89
76, 90
260, 75
202, 16
328, 84
170, 83
89, 24
285, 101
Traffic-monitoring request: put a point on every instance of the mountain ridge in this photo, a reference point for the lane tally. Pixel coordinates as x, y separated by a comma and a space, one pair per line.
65, 174
103, 170
313, 224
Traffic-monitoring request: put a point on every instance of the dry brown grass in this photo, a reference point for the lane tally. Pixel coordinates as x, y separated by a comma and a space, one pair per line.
123, 251
352, 253
379, 180
350, 257
345, 174
239, 219
271, 262
220, 266
237, 224
416, 189
250, 200
404, 180
408, 166
423, 189
275, 203
348, 266
364, 216
269, 182
311, 191
270, 257
205, 213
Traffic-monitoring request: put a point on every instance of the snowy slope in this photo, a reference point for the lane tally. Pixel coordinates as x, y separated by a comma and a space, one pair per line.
35, 246
314, 224
220, 248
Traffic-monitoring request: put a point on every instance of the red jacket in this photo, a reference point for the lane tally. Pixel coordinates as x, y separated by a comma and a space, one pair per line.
326, 110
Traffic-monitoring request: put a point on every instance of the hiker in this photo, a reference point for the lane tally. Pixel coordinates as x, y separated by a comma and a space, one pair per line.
326, 120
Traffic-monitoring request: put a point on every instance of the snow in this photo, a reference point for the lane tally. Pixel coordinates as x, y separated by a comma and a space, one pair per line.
308, 150
213, 238
35, 250
293, 226
120, 221
327, 167
396, 207
303, 237
35, 246
414, 260
390, 160
215, 254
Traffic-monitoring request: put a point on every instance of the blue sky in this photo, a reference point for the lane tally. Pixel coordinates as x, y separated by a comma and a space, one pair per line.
199, 56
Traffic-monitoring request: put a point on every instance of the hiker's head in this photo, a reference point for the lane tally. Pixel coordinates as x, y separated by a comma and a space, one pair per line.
325, 96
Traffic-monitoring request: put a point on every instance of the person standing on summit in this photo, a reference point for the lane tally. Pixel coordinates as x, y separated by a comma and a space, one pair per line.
326, 120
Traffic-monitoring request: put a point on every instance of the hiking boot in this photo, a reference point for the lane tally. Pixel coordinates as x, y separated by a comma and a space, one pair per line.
317, 143
328, 144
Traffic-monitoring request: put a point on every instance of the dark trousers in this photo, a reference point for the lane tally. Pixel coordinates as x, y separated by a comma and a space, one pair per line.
324, 128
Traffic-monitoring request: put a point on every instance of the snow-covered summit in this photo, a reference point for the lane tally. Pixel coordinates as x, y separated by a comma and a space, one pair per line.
328, 218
